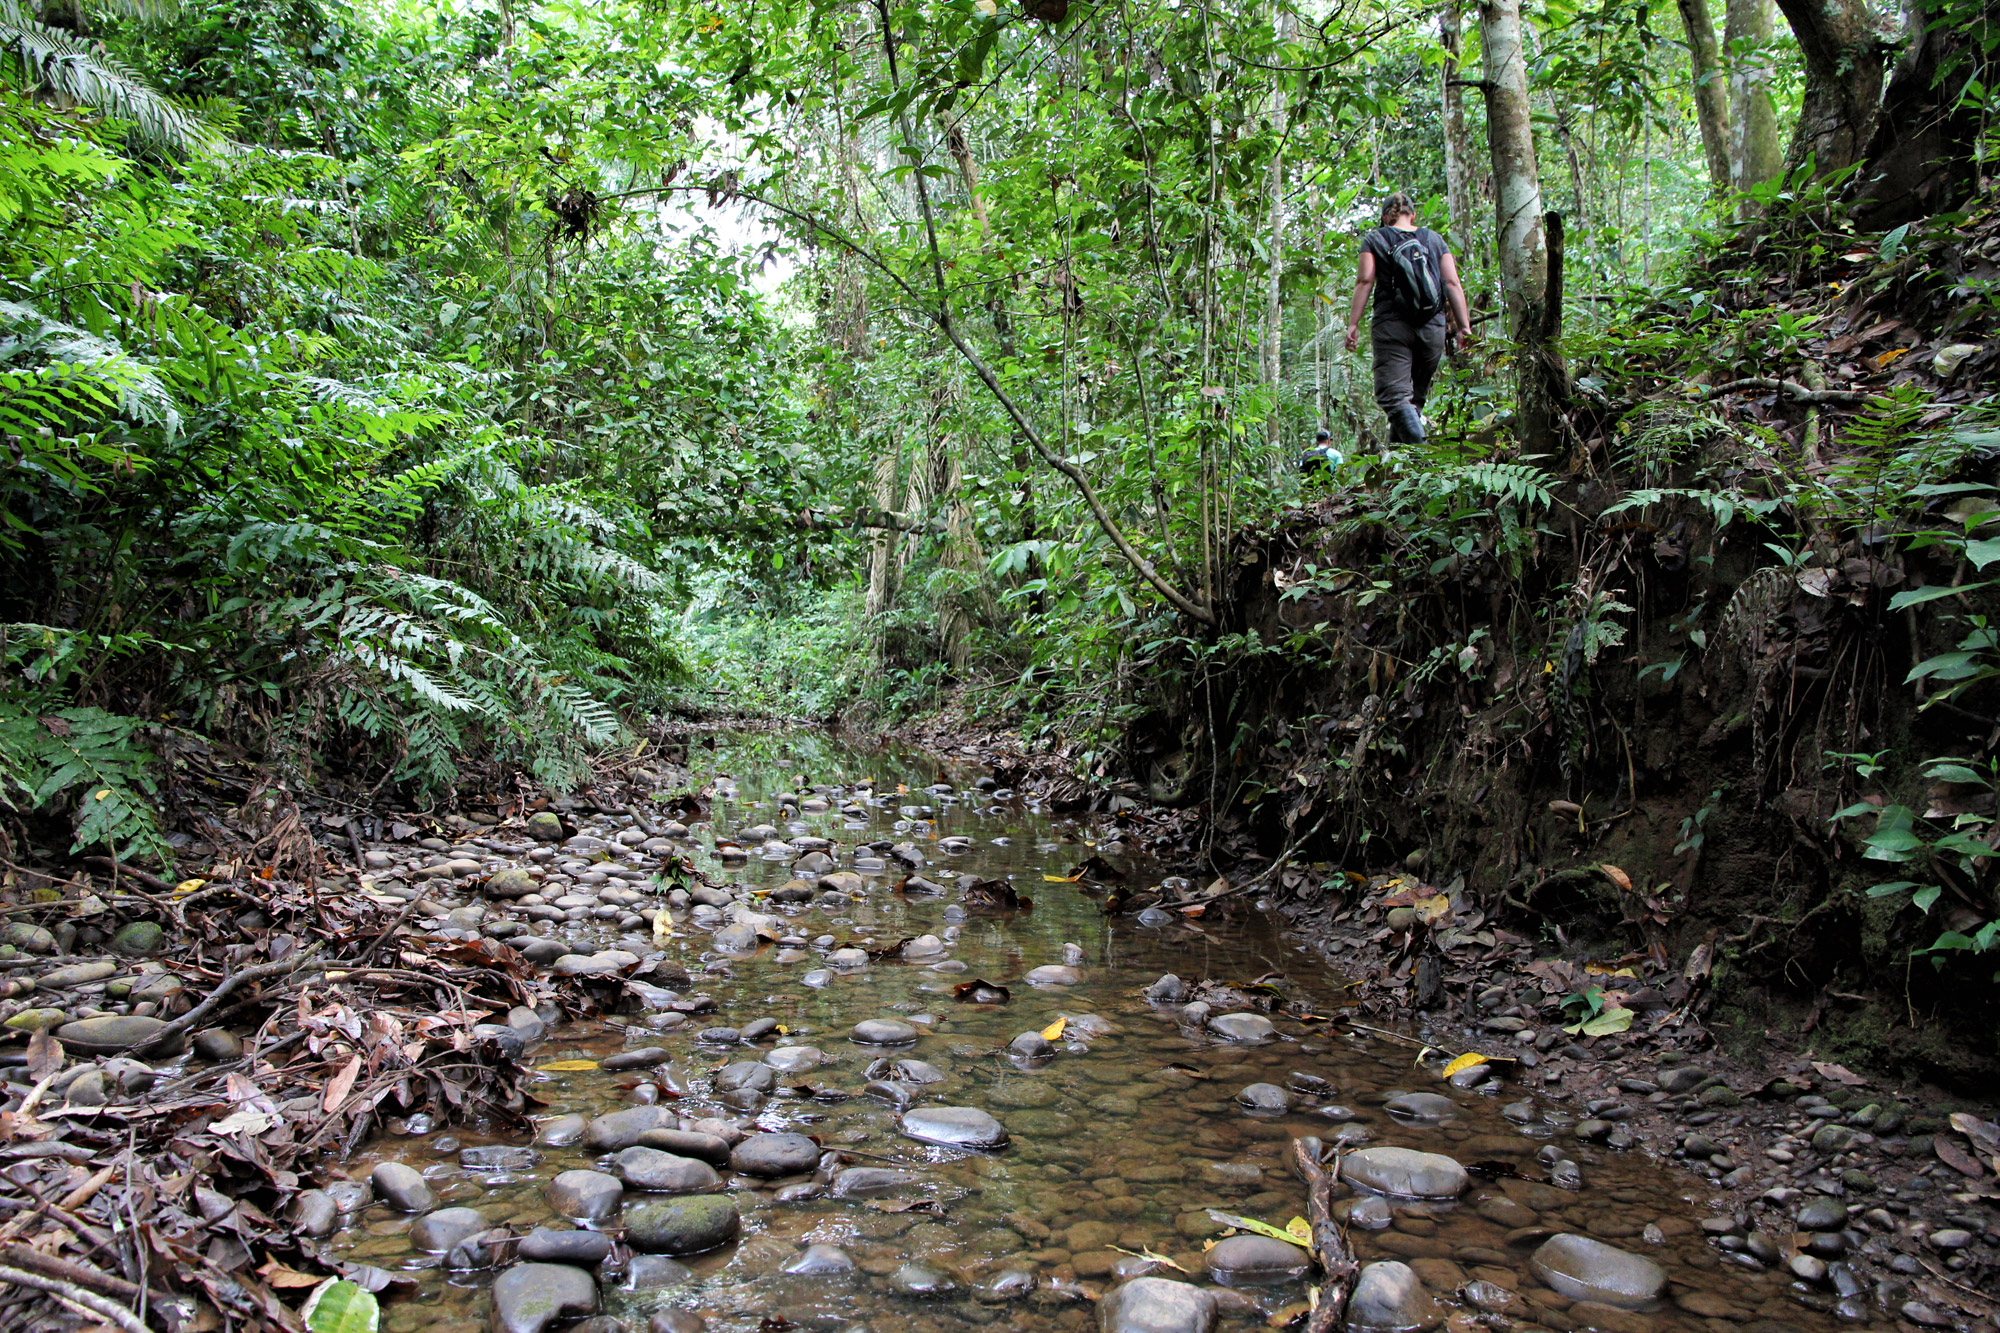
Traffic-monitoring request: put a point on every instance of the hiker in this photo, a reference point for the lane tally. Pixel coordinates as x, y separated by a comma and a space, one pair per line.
1418, 289
1320, 456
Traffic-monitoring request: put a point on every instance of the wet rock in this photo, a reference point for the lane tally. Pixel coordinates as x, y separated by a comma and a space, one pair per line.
110, 1034
921, 1280
402, 1188
528, 1298
439, 1231
1422, 1106
871, 1182
1369, 1212
1822, 1215
954, 1127
1254, 1028
819, 1261
218, 1045
580, 965
916, 1071
748, 1074
643, 1058
1264, 1097
923, 946
38, 1020
315, 1214
650, 1271
737, 937
890, 1093
769, 1156
662, 1172
1010, 1284
562, 1131
546, 1245
1054, 974
819, 978
795, 1059
545, 826
757, 1029
710, 1148
848, 960
676, 1321
1156, 1305
1032, 1046
1389, 1298
497, 1157
884, 1032
1584, 1269
1169, 989
621, 1129
1405, 1173
589, 1195
681, 1226
1256, 1261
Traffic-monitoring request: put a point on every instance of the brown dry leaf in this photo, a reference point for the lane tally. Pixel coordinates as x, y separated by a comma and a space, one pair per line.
1615, 875
45, 1055
1432, 909
1957, 1158
1839, 1074
278, 1275
342, 1084
1984, 1134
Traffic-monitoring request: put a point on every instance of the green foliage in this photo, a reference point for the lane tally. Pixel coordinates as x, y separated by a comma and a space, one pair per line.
87, 764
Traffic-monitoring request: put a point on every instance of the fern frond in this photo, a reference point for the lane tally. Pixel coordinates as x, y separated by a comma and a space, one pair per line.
86, 74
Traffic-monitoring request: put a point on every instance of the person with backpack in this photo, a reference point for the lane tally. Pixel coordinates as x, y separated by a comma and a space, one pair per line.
1415, 280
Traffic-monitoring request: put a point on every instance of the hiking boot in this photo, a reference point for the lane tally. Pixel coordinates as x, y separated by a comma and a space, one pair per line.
1406, 424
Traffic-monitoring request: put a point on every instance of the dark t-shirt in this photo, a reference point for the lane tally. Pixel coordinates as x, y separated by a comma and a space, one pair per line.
1381, 243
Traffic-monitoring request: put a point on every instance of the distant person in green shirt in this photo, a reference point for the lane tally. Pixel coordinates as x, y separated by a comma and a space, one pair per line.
1416, 286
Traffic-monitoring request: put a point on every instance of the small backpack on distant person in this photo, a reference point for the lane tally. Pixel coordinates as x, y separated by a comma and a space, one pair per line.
1416, 283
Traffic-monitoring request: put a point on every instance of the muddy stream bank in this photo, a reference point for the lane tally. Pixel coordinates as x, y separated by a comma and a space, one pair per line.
765, 1130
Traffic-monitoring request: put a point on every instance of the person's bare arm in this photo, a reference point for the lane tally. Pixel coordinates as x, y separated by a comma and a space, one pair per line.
1364, 282
1454, 295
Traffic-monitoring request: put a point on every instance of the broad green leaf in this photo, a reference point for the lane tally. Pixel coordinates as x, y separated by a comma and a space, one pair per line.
1918, 596
1892, 887
1603, 1024
340, 1306
1983, 552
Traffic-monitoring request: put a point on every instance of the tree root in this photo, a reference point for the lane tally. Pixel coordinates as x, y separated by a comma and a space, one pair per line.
1329, 1242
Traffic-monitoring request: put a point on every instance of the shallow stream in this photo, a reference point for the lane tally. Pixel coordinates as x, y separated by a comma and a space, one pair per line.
1119, 1145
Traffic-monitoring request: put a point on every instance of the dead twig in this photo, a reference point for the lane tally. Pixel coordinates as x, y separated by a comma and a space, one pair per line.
230, 984
70, 1294
1329, 1243
1797, 392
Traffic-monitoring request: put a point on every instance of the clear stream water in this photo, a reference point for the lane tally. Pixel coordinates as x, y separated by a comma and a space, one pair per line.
1121, 1143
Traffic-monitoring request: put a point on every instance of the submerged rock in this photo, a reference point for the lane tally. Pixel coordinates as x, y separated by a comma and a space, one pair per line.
884, 1032
954, 1127
1389, 1298
1405, 1173
1156, 1305
1243, 1027
1256, 1260
528, 1298
402, 1188
819, 1260
439, 1231
1584, 1269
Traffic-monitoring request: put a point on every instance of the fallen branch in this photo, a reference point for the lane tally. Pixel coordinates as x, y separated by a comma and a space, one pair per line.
89, 1302
230, 984
1329, 1244
90, 1279
115, 868
1798, 392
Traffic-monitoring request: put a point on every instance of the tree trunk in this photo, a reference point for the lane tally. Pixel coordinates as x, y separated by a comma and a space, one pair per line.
883, 564
1519, 237
1843, 58
1457, 141
1753, 118
1711, 90
1922, 158
1271, 356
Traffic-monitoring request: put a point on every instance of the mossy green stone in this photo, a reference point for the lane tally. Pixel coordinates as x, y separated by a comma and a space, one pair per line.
138, 938
37, 1020
681, 1226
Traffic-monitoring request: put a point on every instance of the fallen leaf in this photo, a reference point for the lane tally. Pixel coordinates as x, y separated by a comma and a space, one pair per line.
245, 1121
45, 1055
1148, 1254
342, 1084
1062, 879
1261, 1228
1888, 358
278, 1275
1300, 1230
1603, 1025
1949, 359
566, 1067
1609, 970
1957, 1158
1466, 1061
1432, 909
1615, 875
1054, 1031
1839, 1074
1984, 1134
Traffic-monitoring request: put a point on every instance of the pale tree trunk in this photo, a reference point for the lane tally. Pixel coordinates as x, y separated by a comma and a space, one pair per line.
1272, 358
884, 550
1843, 56
1457, 141
1520, 240
1711, 90
1753, 118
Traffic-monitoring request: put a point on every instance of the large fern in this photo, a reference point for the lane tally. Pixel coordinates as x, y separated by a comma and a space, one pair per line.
85, 73
88, 764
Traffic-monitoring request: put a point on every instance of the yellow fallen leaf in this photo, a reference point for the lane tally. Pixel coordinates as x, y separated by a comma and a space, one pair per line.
1606, 970
1054, 1031
1301, 1228
1062, 879
566, 1067
1615, 875
1434, 908
1466, 1061
188, 886
784, 1031
1884, 361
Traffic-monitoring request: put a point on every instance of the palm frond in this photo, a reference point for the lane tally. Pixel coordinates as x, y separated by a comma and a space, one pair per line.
87, 75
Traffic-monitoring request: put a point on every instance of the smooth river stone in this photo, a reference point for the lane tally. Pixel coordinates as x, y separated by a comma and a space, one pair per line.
402, 1188
870, 1182
681, 1226
710, 1148
664, 1172
439, 1231
884, 1032
794, 1059
1243, 1027
1420, 1106
954, 1127
1054, 974
1156, 1305
1405, 1173
1584, 1269
1256, 1260
528, 1298
1389, 1298
621, 1129
769, 1156
590, 1195
585, 1249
